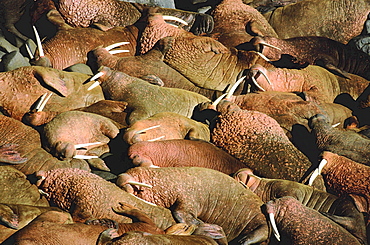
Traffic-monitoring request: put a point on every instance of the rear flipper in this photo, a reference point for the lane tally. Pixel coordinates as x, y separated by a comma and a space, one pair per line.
9, 154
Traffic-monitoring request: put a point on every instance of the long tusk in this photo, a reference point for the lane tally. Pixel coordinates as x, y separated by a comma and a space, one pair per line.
43, 193
215, 103
269, 45
263, 56
40, 101
86, 144
43, 104
317, 171
115, 45
146, 129
168, 17
94, 85
139, 184
154, 166
335, 125
266, 77
155, 139
84, 157
96, 76
119, 51
274, 227
143, 200
233, 88
258, 86
29, 51
38, 41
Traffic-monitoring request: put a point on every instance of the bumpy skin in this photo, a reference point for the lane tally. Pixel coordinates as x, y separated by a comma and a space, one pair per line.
236, 23
339, 20
29, 147
145, 99
187, 54
91, 197
289, 109
342, 142
346, 177
183, 153
340, 210
68, 90
149, 239
298, 224
258, 140
21, 215
148, 64
235, 209
172, 126
118, 13
318, 51
71, 46
319, 84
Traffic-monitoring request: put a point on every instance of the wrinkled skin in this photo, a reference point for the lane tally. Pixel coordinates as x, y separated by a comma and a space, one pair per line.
346, 177
339, 20
340, 210
54, 227
92, 197
242, 220
183, 153
269, 5
172, 126
145, 99
112, 109
71, 45
187, 54
148, 65
19, 215
236, 23
28, 146
258, 141
318, 84
342, 142
322, 51
78, 127
295, 224
289, 109
68, 90
118, 13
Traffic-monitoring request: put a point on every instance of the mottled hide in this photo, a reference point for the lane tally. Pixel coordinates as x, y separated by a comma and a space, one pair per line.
166, 126
27, 143
88, 196
183, 153
299, 224
258, 141
342, 142
234, 208
69, 92
340, 20
145, 99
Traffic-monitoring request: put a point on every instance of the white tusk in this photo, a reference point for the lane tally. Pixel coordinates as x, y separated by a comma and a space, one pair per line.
317, 171
234, 87
139, 184
146, 129
29, 51
263, 57
266, 77
38, 41
86, 144
215, 103
115, 45
94, 85
40, 101
271, 46
43, 104
84, 157
161, 137
168, 17
119, 51
274, 227
43, 193
335, 125
96, 76
154, 166
143, 200
258, 86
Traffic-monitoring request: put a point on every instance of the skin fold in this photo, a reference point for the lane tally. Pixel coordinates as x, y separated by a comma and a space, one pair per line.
192, 206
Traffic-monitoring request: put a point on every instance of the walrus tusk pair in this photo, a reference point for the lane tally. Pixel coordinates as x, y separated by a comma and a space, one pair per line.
42, 101
317, 171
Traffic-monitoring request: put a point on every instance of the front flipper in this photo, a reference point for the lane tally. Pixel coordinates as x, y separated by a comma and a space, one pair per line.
327, 64
203, 24
9, 154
